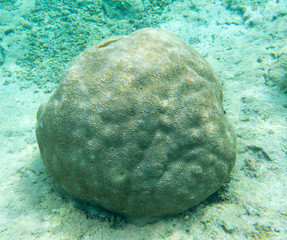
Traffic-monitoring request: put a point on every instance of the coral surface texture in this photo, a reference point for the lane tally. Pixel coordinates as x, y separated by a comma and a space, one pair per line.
137, 127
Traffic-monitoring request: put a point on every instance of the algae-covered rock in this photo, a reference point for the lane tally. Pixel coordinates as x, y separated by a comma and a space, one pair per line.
137, 127
2, 56
120, 8
277, 73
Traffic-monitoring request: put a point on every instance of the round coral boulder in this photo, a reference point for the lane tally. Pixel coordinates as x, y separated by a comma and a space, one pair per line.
137, 127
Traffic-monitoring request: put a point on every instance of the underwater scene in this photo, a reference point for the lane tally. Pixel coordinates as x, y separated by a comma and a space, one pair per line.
143, 119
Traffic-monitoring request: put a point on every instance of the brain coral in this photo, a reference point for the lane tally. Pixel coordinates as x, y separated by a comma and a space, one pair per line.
137, 127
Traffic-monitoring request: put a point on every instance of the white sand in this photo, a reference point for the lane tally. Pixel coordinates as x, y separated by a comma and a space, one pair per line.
240, 48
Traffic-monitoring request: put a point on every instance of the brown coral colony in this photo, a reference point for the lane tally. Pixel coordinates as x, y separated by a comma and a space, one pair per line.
137, 127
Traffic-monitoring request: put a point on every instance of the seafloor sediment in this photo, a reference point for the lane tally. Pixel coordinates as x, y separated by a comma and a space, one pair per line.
245, 43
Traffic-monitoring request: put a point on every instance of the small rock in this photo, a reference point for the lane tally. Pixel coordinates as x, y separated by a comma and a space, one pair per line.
250, 163
227, 227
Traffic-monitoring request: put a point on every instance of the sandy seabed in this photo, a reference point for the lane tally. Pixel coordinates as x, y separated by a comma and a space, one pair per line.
241, 42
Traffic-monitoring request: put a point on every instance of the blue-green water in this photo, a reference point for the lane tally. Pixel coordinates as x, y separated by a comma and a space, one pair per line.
244, 42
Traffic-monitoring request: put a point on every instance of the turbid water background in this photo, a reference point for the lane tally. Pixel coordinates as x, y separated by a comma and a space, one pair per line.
245, 43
